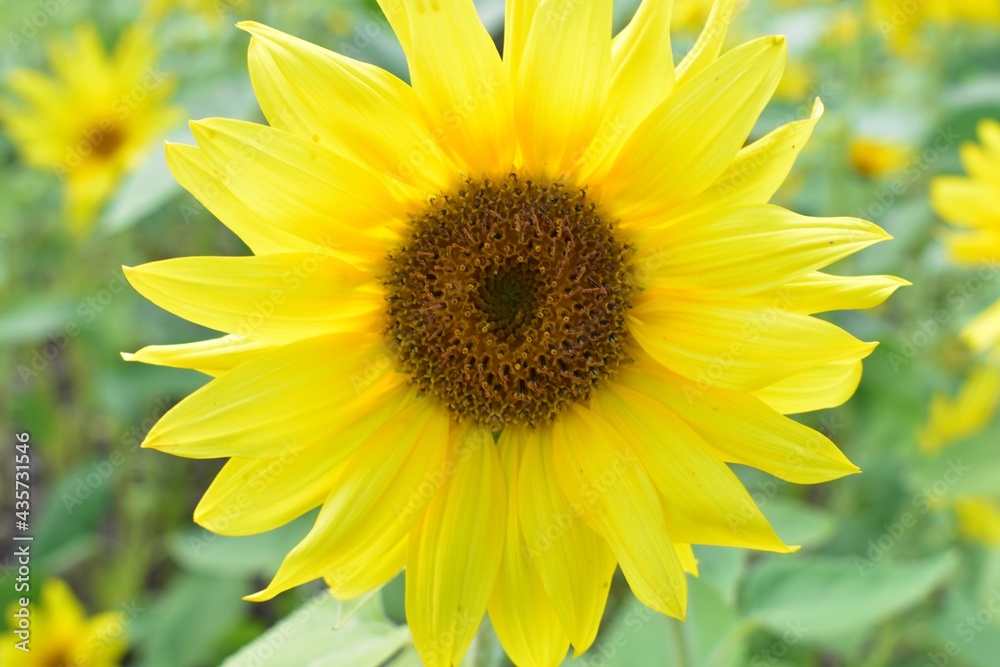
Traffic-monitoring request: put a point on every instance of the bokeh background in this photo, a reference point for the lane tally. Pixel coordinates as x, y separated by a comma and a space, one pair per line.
890, 572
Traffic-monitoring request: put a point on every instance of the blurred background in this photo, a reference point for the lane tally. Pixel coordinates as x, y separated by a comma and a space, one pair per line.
900, 565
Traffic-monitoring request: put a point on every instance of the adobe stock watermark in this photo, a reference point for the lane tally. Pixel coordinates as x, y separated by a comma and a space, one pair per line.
922, 502
86, 312
886, 197
38, 17
88, 482
967, 630
929, 328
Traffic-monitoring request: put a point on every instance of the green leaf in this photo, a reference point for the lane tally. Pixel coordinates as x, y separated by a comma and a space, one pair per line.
822, 599
799, 523
636, 637
33, 321
199, 550
971, 467
185, 626
308, 637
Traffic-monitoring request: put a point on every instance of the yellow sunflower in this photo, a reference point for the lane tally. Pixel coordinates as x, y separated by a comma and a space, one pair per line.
62, 634
973, 205
900, 21
508, 324
94, 119
952, 420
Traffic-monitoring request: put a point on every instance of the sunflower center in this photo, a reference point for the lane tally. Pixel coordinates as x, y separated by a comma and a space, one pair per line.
508, 300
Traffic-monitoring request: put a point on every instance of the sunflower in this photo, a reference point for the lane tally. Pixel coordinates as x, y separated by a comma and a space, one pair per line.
62, 634
507, 325
953, 420
94, 119
973, 205
901, 21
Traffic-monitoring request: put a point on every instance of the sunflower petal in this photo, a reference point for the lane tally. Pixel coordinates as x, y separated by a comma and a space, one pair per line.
556, 96
522, 613
821, 292
353, 108
459, 78
705, 503
983, 332
752, 433
195, 173
455, 553
369, 575
307, 190
642, 76
736, 344
320, 390
378, 497
574, 563
820, 388
688, 141
709, 44
211, 357
601, 474
271, 299
709, 252
758, 170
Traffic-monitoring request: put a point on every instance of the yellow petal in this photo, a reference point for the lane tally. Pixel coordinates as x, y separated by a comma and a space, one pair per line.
320, 390
575, 564
954, 419
211, 357
983, 332
104, 640
759, 169
307, 190
737, 344
979, 520
272, 298
454, 555
974, 248
685, 554
710, 251
369, 575
559, 98
353, 108
979, 164
195, 173
704, 501
709, 43
751, 434
516, 26
820, 388
457, 74
522, 613
378, 497
966, 202
602, 474
688, 141
642, 76
821, 292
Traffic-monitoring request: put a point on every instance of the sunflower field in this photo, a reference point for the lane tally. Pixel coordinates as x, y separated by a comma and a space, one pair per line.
597, 333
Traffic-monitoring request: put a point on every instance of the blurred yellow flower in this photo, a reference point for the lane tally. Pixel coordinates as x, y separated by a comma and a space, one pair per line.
795, 84
214, 10
94, 119
951, 420
845, 27
508, 325
61, 634
690, 15
979, 519
973, 204
900, 21
878, 157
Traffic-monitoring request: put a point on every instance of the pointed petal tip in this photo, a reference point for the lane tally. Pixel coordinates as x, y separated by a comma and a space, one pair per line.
127, 356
